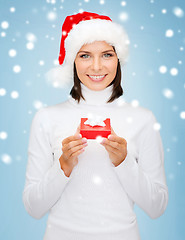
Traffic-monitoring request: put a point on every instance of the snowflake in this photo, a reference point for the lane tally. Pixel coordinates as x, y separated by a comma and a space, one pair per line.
169, 33
12, 53
163, 69
14, 94
178, 12
173, 71
16, 68
5, 25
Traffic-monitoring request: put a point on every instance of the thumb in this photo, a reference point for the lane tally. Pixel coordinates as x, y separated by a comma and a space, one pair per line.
78, 130
112, 132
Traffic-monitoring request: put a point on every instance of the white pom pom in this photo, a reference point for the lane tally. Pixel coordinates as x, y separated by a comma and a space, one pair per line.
60, 76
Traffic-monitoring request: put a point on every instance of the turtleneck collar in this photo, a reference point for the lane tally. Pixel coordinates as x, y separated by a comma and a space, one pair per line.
93, 97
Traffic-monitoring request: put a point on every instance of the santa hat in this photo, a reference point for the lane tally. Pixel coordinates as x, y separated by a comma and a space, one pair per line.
80, 29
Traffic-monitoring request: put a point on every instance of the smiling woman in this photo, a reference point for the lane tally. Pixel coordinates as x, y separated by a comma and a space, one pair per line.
96, 65
112, 65
89, 187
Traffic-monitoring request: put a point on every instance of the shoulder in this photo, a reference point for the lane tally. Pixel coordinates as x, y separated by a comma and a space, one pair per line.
138, 113
45, 114
51, 110
142, 123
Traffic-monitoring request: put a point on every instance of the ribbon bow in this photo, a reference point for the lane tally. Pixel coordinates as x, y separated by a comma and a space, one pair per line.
95, 121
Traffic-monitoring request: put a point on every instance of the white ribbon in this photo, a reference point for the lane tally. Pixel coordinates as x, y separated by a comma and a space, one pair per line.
95, 121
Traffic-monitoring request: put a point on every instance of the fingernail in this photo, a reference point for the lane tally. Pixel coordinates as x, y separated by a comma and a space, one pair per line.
102, 140
84, 140
79, 136
109, 137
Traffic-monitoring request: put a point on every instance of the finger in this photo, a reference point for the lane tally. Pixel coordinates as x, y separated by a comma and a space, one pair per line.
69, 153
117, 146
116, 138
71, 138
72, 144
78, 152
73, 150
112, 150
82, 142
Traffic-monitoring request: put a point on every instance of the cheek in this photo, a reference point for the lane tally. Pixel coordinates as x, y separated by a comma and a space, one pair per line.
81, 67
112, 66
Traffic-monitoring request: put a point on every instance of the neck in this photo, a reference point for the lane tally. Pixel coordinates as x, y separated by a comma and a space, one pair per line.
93, 97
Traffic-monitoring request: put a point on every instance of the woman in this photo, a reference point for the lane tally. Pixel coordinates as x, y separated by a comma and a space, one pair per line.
89, 187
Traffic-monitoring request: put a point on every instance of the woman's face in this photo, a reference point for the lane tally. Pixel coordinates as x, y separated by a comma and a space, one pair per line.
96, 65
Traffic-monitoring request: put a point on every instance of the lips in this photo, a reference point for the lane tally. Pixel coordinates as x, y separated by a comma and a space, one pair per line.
97, 78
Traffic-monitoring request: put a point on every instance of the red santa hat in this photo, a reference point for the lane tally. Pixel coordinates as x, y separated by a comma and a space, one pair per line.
80, 29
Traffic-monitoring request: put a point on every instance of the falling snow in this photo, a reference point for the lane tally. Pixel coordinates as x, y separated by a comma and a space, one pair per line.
3, 34
123, 16
12, 9
129, 119
2, 92
31, 37
169, 33
168, 93
123, 3
163, 69
31, 47
51, 1
3, 135
38, 104
164, 11
97, 180
102, 2
5, 158
178, 12
5, 25
157, 126
182, 115
14, 94
16, 69
51, 16
41, 63
135, 103
12, 52
173, 71
99, 139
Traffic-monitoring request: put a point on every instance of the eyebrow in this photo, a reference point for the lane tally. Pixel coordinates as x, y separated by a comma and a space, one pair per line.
102, 52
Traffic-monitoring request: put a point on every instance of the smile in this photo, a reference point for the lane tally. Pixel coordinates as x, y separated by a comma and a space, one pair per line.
97, 78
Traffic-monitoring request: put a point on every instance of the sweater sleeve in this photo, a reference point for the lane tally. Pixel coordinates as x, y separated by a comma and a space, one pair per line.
45, 180
144, 178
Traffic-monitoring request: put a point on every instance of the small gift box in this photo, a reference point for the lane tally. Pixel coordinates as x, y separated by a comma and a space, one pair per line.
93, 127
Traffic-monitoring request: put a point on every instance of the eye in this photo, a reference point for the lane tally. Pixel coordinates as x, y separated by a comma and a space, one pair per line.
107, 55
84, 56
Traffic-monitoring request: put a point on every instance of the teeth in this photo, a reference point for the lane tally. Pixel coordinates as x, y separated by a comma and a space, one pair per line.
96, 77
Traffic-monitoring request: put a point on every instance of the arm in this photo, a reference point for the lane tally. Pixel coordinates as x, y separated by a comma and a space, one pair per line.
144, 181
45, 180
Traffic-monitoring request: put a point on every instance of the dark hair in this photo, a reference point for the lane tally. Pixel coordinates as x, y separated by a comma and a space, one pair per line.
116, 92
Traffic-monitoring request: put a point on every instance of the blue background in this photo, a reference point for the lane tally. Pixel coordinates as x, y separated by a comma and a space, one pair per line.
142, 81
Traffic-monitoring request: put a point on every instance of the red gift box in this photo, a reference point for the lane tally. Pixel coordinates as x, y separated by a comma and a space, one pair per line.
92, 132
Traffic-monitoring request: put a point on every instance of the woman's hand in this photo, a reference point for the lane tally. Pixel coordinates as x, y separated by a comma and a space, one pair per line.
116, 147
72, 147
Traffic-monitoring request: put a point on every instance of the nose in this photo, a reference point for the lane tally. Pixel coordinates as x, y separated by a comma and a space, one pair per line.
96, 64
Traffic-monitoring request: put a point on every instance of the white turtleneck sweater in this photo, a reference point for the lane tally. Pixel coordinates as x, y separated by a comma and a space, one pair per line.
96, 202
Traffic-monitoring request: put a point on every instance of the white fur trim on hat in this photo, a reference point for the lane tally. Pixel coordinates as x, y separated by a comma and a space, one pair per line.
87, 32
